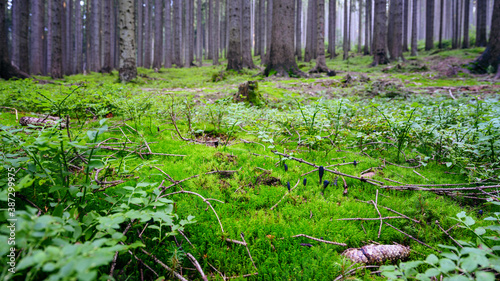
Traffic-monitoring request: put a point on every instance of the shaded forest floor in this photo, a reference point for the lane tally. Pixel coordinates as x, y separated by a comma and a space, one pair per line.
424, 123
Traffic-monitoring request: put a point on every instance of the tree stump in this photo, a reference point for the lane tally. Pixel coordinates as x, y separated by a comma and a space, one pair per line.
248, 92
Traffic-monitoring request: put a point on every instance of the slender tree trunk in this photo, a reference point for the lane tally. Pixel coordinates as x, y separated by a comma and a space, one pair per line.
269, 24
187, 35
332, 18
158, 47
7, 70
246, 46
128, 69
395, 32
168, 35
216, 33
406, 17
140, 27
320, 43
210, 29
20, 18
281, 56
465, 43
360, 25
380, 33
177, 32
37, 36
68, 25
262, 33
309, 34
234, 58
148, 20
78, 38
346, 29
441, 21
481, 23
298, 29
429, 25
414, 28
368, 27
199, 34
106, 67
94, 54
56, 70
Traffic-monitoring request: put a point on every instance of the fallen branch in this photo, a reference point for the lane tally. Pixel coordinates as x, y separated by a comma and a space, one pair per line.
180, 277
420, 188
353, 270
195, 176
286, 195
248, 250
446, 232
320, 240
370, 219
197, 265
411, 237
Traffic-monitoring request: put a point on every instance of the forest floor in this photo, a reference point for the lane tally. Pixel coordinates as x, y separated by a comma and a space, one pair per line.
245, 179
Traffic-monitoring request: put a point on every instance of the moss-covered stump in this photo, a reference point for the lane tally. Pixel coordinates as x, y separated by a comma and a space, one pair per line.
249, 92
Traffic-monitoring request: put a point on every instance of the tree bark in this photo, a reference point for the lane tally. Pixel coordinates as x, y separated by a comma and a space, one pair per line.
7, 70
406, 18
465, 43
360, 25
414, 28
188, 46
168, 35
216, 33
320, 43
107, 67
395, 31
56, 63
20, 20
481, 23
368, 27
441, 21
491, 56
37, 35
199, 34
429, 25
262, 32
128, 69
246, 36
380, 33
308, 56
158, 44
177, 32
148, 20
234, 59
78, 38
94, 55
346, 29
281, 56
332, 18
269, 25
298, 29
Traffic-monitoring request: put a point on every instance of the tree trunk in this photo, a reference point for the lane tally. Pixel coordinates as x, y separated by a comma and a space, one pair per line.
128, 70
177, 32
429, 25
414, 33
269, 26
332, 18
78, 38
481, 23
380, 33
199, 34
360, 25
7, 70
246, 36
320, 43
140, 28
56, 70
465, 43
94, 55
67, 39
309, 34
368, 27
234, 60
281, 56
262, 33
187, 33
148, 20
491, 56
298, 29
158, 44
395, 30
36, 50
168, 36
406, 18
20, 20
216, 31
346, 29
107, 67
441, 21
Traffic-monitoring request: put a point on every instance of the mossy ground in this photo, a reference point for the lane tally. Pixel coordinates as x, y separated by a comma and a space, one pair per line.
247, 203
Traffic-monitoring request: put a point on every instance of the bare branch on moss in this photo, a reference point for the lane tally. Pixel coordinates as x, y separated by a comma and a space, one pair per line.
320, 240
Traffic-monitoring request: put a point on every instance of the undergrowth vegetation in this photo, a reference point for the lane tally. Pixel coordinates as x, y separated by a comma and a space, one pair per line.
167, 177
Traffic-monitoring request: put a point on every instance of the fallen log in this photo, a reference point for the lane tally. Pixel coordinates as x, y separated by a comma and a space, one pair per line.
377, 254
46, 121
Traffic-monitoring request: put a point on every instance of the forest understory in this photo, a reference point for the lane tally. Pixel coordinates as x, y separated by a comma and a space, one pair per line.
167, 177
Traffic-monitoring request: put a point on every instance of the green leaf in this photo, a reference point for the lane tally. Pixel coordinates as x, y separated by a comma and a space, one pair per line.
480, 231
485, 276
432, 259
461, 215
446, 265
469, 221
431, 272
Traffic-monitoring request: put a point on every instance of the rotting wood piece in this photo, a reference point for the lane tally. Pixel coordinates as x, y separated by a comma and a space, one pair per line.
377, 254
46, 121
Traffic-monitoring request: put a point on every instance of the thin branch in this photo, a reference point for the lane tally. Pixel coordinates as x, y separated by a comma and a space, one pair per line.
446, 232
411, 237
248, 250
180, 277
197, 265
195, 176
286, 195
370, 219
353, 270
414, 187
320, 240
